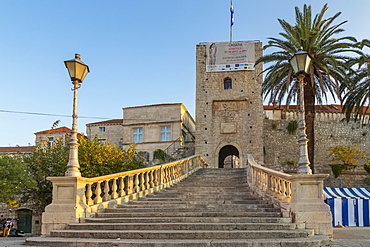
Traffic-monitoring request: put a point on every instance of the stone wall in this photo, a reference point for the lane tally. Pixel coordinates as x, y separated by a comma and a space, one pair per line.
280, 146
231, 116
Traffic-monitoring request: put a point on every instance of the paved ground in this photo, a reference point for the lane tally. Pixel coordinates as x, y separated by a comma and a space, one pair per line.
343, 237
351, 237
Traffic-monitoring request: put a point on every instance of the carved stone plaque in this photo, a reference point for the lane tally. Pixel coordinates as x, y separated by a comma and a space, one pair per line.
227, 128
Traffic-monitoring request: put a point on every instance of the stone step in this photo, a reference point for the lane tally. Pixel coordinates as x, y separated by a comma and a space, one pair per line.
240, 196
194, 202
211, 208
216, 208
194, 206
189, 219
182, 234
88, 242
182, 226
189, 214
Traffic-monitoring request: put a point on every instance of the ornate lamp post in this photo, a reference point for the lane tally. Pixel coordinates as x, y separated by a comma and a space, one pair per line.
77, 71
301, 62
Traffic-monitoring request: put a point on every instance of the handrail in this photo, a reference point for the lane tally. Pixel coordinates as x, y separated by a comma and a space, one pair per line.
78, 197
141, 181
299, 196
273, 183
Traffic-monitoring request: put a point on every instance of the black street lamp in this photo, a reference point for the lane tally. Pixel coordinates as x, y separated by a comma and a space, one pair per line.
77, 71
301, 62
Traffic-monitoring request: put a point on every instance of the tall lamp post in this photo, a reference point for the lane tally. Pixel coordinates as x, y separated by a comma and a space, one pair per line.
301, 62
77, 71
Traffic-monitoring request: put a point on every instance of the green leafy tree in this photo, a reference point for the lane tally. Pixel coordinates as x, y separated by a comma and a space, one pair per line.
95, 158
44, 162
318, 36
160, 155
357, 97
13, 177
349, 156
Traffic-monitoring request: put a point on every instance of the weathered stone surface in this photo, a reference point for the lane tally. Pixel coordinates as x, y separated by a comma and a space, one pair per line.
280, 146
210, 208
228, 116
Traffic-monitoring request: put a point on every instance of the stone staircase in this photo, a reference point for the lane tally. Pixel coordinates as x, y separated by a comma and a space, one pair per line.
212, 207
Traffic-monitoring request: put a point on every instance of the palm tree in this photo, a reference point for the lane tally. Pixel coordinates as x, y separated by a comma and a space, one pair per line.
357, 97
328, 69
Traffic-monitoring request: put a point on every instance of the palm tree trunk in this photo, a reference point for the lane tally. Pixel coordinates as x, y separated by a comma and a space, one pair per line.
309, 101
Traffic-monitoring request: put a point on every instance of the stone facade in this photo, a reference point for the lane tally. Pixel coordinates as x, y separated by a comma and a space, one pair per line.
151, 120
229, 121
107, 131
280, 146
49, 136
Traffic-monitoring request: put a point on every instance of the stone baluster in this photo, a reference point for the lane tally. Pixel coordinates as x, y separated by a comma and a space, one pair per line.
106, 196
130, 184
136, 183
89, 194
142, 181
114, 193
152, 182
147, 180
288, 192
98, 198
122, 191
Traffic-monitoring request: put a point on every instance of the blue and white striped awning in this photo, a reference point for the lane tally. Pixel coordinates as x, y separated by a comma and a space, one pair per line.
349, 206
362, 193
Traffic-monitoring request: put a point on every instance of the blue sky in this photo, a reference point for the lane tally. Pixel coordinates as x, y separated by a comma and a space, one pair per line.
139, 52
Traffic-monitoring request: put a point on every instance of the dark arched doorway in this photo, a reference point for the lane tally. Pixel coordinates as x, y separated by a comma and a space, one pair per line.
228, 157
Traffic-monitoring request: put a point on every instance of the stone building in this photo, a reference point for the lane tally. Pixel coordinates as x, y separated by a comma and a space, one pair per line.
52, 135
229, 111
169, 127
107, 131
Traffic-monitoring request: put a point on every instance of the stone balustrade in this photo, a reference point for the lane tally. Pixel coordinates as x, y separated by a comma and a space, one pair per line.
300, 197
79, 197
270, 182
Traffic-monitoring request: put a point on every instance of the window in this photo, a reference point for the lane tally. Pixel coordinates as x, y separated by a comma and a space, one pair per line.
102, 129
51, 141
138, 135
103, 141
165, 133
228, 83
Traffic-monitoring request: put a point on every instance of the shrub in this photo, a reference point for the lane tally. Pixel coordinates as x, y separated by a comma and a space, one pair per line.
337, 169
292, 127
367, 167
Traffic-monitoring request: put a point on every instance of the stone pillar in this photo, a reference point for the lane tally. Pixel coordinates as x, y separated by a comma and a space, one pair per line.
307, 204
68, 205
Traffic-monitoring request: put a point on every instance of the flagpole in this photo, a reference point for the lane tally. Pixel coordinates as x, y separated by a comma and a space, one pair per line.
231, 20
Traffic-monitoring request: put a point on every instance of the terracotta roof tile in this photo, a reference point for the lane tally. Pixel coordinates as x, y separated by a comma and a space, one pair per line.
112, 121
60, 130
325, 108
20, 149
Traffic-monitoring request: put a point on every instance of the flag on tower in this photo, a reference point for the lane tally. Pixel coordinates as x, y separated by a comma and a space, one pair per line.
232, 13
231, 20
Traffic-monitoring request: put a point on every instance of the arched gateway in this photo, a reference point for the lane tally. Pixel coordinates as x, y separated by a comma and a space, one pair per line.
228, 157
229, 105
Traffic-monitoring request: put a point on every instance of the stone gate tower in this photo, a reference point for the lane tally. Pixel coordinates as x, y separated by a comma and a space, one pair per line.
229, 105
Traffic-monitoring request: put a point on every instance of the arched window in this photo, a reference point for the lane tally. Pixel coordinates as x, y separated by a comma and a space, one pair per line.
228, 83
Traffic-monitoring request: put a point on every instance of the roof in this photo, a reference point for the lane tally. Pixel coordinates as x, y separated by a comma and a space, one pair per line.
57, 130
346, 193
112, 121
166, 104
318, 108
18, 149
